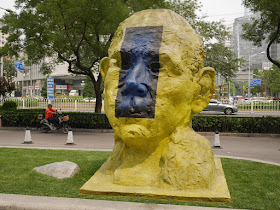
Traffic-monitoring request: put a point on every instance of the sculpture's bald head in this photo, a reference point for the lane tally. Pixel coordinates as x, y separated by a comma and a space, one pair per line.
179, 40
154, 76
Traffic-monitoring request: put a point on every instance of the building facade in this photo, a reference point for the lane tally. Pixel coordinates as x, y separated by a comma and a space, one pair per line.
244, 48
253, 55
31, 81
3, 37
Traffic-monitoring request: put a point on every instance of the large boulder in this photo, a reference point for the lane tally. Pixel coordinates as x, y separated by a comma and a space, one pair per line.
59, 170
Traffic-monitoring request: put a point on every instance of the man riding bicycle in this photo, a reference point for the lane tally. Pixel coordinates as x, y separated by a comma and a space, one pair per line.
49, 115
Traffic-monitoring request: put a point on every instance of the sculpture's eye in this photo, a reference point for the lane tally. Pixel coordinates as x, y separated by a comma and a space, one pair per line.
155, 66
126, 60
125, 65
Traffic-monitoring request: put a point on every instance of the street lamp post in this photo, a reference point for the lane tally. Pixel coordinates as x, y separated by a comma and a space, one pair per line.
249, 73
1, 68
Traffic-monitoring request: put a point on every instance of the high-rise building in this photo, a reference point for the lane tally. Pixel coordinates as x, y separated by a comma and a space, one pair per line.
252, 54
3, 37
244, 48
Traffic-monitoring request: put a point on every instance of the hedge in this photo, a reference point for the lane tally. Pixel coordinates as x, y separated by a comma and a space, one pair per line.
237, 124
23, 118
9, 105
29, 117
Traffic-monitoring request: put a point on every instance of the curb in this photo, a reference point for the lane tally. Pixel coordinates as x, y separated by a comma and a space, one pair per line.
249, 159
70, 147
258, 135
73, 129
22, 202
110, 150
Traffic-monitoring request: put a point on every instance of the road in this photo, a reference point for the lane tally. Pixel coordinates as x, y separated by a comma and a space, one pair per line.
243, 114
261, 148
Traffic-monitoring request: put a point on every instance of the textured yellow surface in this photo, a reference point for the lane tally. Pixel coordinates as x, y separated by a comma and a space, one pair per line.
101, 184
162, 157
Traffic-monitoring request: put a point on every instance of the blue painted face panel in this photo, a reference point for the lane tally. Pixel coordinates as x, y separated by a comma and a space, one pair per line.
138, 77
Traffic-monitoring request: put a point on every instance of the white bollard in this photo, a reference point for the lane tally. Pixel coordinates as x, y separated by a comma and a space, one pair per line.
252, 107
70, 139
217, 143
27, 137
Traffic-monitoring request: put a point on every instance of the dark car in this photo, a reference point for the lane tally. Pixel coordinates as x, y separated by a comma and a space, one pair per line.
217, 106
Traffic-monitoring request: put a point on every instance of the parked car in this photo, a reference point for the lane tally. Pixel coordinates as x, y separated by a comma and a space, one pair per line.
74, 93
217, 106
89, 100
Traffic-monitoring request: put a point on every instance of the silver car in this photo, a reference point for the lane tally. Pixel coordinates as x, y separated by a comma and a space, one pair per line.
217, 106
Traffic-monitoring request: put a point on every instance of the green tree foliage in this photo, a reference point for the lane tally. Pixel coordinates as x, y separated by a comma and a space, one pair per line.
234, 86
88, 90
274, 82
6, 82
9, 70
265, 26
6, 86
44, 89
222, 59
270, 81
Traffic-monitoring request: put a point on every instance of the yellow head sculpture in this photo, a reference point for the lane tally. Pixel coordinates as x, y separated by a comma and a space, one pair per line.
182, 85
154, 83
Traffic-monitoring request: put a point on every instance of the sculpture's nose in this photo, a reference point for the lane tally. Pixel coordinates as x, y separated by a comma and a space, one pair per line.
136, 82
135, 89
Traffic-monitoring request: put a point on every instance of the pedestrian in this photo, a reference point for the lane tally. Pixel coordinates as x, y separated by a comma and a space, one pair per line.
49, 115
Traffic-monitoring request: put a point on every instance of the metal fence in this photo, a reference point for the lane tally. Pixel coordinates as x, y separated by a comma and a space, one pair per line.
89, 105
259, 106
63, 104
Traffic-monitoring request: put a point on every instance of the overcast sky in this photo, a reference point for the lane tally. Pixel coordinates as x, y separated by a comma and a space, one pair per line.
215, 9
227, 10
7, 4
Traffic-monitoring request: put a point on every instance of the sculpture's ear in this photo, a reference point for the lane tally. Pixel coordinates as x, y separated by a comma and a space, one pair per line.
206, 79
104, 65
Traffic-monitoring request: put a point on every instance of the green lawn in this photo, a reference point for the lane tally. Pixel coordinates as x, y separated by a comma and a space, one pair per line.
252, 185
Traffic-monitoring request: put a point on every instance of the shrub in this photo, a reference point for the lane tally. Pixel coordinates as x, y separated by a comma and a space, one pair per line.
237, 124
9, 105
29, 117
26, 117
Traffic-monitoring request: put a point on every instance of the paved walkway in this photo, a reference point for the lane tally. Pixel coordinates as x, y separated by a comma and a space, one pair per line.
258, 148
263, 149
24, 202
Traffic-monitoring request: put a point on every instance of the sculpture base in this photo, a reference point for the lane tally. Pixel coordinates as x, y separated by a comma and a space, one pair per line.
102, 185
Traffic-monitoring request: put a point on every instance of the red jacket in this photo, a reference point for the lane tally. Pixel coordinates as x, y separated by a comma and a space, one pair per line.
48, 114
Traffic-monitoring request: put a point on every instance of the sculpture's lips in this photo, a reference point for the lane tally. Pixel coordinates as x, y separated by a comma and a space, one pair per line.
134, 107
134, 121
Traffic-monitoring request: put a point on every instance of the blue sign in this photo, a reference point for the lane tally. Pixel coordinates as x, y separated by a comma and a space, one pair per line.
50, 88
19, 65
256, 82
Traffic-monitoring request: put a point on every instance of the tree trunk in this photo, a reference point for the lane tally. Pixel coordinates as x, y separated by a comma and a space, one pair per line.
98, 92
270, 43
